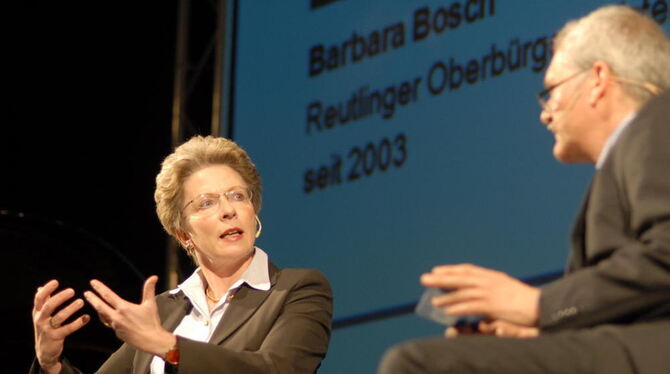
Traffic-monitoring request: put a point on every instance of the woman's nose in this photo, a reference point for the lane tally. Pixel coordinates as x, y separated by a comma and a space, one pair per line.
226, 209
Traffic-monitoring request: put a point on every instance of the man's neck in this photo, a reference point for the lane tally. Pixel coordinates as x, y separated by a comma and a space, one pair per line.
610, 115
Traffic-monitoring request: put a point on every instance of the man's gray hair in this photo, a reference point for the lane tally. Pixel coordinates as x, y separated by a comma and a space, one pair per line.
634, 46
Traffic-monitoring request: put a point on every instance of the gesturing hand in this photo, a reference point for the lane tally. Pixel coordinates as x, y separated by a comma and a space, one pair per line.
136, 324
50, 333
477, 290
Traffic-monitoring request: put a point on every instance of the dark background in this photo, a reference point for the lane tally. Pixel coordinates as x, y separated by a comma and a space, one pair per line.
86, 123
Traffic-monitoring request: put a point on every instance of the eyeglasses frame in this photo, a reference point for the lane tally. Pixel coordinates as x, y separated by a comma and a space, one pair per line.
226, 194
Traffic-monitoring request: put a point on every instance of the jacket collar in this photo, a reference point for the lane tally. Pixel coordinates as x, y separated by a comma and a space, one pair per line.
176, 306
246, 301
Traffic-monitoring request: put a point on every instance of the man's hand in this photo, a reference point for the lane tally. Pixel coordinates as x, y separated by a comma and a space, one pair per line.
504, 329
477, 290
498, 328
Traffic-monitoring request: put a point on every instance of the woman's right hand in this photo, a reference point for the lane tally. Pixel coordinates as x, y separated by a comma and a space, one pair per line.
49, 333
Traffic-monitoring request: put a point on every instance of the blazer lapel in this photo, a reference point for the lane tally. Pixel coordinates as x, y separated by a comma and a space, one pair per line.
176, 307
243, 305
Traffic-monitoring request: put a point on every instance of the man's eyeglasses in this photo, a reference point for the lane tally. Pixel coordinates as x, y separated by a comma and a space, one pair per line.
545, 95
652, 88
208, 203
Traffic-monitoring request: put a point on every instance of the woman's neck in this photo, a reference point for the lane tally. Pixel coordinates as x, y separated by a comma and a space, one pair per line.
219, 277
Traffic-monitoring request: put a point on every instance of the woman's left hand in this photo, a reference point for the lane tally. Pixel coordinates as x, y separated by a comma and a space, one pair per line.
136, 324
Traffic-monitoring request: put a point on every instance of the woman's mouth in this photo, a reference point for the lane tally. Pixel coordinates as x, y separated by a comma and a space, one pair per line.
232, 234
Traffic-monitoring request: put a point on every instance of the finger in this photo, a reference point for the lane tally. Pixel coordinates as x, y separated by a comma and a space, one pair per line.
54, 302
445, 281
43, 293
508, 331
455, 268
104, 310
469, 307
457, 296
440, 268
463, 269
485, 327
109, 296
73, 326
149, 290
530, 332
498, 328
451, 332
66, 312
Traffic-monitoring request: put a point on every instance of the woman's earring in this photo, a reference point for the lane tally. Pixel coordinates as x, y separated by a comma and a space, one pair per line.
189, 247
260, 227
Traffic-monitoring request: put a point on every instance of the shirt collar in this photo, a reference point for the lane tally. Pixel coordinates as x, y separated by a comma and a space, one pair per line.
256, 276
611, 140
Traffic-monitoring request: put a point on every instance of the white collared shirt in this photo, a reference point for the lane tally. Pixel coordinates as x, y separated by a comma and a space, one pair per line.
611, 140
199, 325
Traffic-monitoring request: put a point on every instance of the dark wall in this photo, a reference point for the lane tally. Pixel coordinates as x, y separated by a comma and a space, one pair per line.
83, 131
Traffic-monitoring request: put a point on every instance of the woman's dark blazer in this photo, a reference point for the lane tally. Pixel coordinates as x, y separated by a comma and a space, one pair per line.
283, 330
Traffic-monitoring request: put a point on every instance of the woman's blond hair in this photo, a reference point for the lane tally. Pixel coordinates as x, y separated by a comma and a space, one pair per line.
195, 154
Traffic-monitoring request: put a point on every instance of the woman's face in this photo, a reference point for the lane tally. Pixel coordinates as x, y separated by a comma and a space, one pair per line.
222, 230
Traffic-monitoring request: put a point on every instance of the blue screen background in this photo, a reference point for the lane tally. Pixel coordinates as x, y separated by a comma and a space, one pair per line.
478, 184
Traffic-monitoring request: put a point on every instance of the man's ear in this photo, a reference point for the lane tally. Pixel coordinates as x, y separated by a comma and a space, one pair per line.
603, 77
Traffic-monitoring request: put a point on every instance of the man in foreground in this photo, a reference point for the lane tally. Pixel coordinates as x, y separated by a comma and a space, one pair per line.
610, 313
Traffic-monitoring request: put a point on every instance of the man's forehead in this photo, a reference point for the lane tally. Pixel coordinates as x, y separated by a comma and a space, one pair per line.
558, 68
